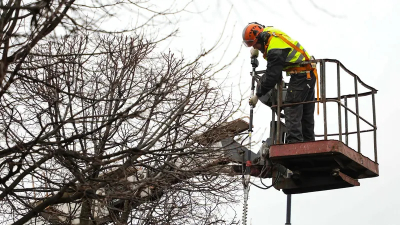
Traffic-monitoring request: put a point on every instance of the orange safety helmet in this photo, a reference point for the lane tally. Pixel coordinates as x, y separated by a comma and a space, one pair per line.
251, 32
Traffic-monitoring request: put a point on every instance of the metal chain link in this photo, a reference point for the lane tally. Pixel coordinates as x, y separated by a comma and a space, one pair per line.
245, 204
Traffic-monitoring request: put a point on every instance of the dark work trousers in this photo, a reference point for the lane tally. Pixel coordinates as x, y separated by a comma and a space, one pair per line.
299, 119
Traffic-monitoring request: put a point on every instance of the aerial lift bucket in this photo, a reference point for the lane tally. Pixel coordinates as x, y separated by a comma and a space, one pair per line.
324, 164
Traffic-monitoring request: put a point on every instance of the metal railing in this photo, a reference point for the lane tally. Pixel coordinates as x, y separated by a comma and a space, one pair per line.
277, 106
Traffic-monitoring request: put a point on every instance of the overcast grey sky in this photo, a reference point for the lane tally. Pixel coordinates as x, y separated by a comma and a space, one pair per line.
364, 36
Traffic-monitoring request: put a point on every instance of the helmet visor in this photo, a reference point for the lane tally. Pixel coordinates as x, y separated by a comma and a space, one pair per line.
249, 43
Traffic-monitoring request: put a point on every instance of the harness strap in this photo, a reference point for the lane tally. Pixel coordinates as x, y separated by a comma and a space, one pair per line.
292, 45
266, 46
308, 67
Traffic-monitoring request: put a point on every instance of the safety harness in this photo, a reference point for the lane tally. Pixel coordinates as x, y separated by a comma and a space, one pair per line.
298, 69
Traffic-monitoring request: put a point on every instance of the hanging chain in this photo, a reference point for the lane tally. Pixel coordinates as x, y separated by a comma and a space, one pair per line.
245, 204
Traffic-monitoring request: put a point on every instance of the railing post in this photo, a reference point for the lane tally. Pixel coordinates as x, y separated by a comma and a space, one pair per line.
346, 121
358, 115
273, 124
339, 99
323, 96
278, 129
374, 122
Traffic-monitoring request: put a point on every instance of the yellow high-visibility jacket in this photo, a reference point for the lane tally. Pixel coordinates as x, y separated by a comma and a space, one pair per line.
276, 42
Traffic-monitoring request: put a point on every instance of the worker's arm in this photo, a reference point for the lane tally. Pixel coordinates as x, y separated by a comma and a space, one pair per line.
276, 61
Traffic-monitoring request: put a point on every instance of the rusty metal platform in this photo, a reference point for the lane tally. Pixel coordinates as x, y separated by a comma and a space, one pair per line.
321, 165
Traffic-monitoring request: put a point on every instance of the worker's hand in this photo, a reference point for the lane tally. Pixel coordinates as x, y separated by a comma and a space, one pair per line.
253, 100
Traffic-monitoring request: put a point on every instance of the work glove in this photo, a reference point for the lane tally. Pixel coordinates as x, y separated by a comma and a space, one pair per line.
253, 100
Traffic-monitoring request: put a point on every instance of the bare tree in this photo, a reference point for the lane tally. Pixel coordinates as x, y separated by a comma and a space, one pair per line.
99, 129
